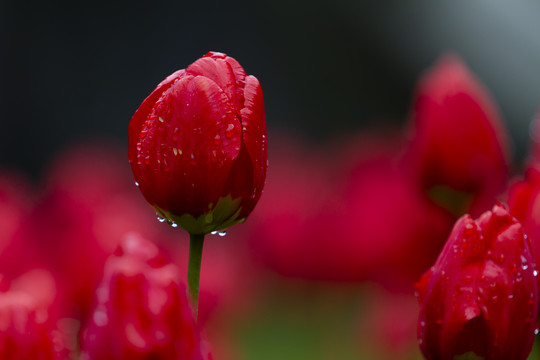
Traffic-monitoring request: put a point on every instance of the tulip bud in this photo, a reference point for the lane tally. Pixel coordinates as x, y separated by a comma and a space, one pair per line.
141, 310
459, 144
481, 296
197, 145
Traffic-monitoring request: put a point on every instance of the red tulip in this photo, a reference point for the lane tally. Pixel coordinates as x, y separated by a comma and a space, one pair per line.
481, 295
26, 329
349, 224
458, 139
142, 311
197, 145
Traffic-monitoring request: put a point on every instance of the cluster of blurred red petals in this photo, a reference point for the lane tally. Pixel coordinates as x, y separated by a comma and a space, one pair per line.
481, 295
197, 145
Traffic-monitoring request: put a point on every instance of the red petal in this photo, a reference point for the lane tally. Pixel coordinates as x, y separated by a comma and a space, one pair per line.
254, 136
219, 70
139, 118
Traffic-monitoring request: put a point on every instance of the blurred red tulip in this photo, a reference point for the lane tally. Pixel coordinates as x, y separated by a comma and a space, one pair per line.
458, 139
481, 295
354, 219
27, 330
197, 145
88, 205
141, 309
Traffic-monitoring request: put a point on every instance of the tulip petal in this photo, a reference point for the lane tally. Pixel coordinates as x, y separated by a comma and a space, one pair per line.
223, 74
254, 136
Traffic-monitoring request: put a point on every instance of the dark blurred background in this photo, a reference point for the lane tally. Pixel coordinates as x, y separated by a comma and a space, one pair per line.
77, 70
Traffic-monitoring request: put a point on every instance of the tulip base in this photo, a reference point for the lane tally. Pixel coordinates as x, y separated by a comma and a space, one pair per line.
196, 243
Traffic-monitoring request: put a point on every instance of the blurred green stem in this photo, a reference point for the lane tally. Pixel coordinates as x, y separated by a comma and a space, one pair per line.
196, 242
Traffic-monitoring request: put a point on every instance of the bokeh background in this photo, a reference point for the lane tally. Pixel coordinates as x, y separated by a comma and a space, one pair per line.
74, 72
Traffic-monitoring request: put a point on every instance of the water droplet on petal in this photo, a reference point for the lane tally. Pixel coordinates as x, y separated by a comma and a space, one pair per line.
160, 218
100, 318
136, 184
213, 232
524, 263
222, 233
535, 273
228, 131
536, 331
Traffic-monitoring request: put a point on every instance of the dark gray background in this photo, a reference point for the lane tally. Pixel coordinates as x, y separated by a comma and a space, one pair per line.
72, 70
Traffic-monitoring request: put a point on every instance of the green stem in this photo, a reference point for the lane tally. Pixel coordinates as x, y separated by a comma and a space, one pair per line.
196, 242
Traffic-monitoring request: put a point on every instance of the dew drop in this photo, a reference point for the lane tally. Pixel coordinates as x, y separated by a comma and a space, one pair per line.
213, 233
222, 233
536, 331
100, 318
524, 263
160, 218
228, 131
136, 184
535, 273
174, 225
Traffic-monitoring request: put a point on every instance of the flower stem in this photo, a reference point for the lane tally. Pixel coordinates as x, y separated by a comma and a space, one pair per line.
196, 242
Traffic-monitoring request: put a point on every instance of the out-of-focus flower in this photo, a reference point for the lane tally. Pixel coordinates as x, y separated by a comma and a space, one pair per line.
197, 145
481, 295
85, 209
141, 309
360, 218
27, 330
459, 144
